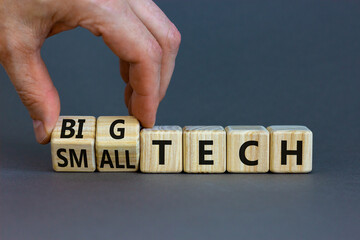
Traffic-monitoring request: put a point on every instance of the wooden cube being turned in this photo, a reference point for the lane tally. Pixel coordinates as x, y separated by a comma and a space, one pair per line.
290, 149
72, 144
117, 144
247, 149
161, 149
204, 149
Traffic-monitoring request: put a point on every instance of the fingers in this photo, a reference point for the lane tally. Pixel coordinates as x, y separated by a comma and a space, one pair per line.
141, 58
147, 44
127, 96
31, 79
165, 33
124, 70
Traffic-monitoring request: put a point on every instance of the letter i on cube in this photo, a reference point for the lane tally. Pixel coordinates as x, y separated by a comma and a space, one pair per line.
72, 144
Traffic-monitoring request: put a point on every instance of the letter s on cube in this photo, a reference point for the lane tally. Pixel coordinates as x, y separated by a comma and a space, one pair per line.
73, 144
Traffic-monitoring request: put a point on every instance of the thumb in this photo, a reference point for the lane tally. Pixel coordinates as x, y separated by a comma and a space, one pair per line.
32, 82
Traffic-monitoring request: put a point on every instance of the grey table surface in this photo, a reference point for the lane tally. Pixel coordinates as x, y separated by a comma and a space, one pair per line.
241, 62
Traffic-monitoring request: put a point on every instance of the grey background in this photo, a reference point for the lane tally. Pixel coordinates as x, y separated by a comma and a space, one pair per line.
241, 62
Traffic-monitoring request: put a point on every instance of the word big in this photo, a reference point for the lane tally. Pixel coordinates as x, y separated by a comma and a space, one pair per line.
116, 144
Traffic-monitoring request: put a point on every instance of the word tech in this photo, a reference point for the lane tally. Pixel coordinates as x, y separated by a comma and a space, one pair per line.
116, 144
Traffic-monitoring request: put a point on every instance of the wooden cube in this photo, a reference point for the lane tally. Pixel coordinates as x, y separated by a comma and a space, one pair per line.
290, 149
117, 144
247, 149
161, 149
204, 149
72, 144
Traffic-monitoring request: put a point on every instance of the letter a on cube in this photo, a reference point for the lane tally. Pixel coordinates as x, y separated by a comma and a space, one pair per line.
72, 144
290, 149
117, 144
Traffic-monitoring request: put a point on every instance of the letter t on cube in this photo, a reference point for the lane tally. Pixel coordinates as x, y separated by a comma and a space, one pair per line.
161, 149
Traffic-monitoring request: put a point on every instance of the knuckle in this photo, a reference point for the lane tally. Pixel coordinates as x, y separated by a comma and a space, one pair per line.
31, 94
155, 51
162, 95
12, 49
29, 98
4, 50
2, 53
173, 39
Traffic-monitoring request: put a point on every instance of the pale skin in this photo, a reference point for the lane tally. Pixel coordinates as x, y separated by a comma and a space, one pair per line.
137, 31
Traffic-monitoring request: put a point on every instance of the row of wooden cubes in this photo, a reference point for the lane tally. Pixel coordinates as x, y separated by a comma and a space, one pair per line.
116, 144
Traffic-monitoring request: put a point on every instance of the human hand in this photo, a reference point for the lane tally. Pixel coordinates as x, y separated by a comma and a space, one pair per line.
137, 31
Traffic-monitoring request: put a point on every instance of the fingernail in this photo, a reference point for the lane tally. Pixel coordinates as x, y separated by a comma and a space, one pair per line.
40, 132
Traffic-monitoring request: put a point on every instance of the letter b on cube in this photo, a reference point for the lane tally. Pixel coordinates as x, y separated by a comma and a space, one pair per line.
72, 144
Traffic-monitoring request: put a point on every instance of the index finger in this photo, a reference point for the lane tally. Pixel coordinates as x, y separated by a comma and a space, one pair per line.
132, 42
